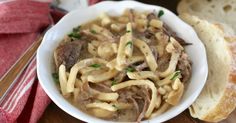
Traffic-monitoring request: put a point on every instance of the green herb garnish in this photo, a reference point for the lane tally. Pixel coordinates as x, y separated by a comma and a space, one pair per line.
76, 29
93, 31
130, 69
74, 35
55, 77
176, 75
129, 43
115, 106
95, 65
161, 13
113, 82
128, 31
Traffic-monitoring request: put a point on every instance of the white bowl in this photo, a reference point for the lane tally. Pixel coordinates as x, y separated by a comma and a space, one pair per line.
196, 51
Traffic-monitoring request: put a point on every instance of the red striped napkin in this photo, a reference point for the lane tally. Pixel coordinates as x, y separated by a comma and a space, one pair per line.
21, 21
20, 24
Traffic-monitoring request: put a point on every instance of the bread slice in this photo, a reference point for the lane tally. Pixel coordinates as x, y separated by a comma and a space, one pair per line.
223, 11
218, 98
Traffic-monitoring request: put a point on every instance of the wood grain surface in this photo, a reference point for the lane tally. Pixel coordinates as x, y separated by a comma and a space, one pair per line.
53, 114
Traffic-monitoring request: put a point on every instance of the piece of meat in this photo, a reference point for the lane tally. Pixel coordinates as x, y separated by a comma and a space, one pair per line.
154, 52
101, 87
141, 66
151, 16
148, 34
163, 62
171, 33
146, 94
141, 115
143, 103
181, 41
139, 99
144, 36
167, 30
184, 66
126, 95
68, 53
120, 77
136, 106
131, 15
85, 93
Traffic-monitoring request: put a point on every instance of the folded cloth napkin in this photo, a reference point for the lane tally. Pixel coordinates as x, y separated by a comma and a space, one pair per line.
21, 22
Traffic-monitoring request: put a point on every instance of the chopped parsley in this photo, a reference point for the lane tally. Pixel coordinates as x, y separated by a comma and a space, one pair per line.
129, 43
74, 35
93, 31
113, 82
115, 106
176, 75
130, 69
95, 65
76, 29
55, 77
160, 13
128, 31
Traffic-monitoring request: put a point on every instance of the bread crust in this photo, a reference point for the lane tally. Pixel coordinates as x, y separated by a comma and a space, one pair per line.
227, 102
222, 11
182, 7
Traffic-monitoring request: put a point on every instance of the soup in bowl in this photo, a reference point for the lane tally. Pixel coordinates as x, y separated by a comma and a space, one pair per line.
125, 64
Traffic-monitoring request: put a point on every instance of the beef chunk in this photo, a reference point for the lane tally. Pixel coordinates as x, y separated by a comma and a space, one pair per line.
184, 66
68, 53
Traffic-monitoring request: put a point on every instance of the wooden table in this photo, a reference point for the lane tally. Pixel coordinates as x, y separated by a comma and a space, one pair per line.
54, 114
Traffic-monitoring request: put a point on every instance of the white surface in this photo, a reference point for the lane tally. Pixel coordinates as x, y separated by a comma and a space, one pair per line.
70, 5
55, 35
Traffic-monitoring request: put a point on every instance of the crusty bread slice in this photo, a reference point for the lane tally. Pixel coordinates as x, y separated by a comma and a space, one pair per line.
223, 11
218, 98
